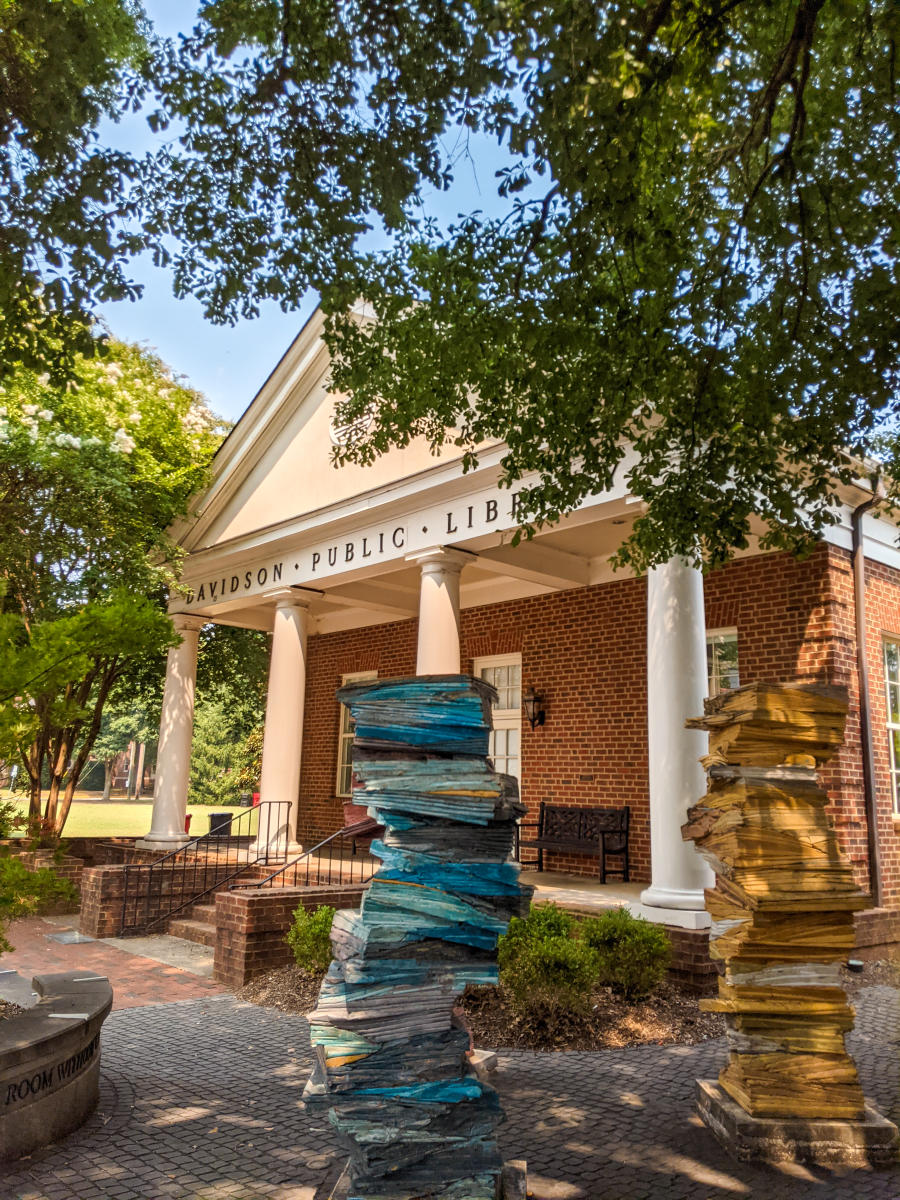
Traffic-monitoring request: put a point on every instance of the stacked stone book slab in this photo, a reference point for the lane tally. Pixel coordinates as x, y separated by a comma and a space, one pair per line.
783, 905
391, 1058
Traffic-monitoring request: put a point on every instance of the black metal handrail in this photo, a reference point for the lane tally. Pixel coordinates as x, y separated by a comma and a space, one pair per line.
153, 892
332, 861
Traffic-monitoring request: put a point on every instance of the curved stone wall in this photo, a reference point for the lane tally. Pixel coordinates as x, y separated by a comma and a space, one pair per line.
50, 1061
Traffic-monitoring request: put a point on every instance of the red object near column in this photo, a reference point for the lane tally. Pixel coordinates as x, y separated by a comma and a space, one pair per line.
187, 823
255, 799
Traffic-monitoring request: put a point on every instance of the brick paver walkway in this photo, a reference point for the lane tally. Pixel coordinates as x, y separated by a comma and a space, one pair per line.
200, 1102
135, 980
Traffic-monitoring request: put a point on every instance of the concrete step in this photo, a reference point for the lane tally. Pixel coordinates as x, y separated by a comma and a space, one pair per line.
193, 931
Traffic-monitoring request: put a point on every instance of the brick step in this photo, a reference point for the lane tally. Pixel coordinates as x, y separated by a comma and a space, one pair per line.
193, 931
204, 912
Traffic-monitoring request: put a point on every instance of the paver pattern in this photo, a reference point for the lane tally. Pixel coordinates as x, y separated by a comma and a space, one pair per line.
200, 1101
136, 981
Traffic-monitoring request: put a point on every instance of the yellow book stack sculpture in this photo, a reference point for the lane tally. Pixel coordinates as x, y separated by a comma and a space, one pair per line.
782, 909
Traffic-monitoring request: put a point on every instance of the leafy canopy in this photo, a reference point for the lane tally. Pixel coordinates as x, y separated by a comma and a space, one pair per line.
64, 197
91, 477
692, 249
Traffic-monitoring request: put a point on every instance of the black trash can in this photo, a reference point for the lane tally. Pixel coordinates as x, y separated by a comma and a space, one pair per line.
220, 824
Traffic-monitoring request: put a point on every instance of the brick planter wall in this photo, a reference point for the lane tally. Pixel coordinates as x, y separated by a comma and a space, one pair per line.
251, 927
103, 896
877, 934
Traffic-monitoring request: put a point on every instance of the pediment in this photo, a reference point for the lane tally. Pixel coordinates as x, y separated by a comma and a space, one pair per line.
276, 465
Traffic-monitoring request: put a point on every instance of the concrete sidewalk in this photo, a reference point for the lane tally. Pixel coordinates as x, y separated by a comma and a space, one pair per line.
200, 1101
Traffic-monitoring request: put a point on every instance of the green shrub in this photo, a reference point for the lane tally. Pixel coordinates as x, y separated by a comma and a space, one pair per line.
24, 893
551, 976
10, 818
544, 922
631, 954
310, 937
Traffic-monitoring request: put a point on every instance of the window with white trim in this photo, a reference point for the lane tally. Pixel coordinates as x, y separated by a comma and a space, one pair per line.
343, 785
504, 672
722, 660
892, 698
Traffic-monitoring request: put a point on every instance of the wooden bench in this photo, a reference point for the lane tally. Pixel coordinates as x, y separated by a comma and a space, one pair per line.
569, 830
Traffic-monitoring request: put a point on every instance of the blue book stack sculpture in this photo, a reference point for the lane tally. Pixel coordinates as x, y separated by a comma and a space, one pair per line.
391, 1064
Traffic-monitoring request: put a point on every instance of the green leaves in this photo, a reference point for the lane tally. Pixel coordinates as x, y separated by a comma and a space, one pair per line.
91, 477
62, 195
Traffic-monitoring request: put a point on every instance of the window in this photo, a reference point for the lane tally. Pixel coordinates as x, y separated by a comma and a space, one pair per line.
892, 696
504, 672
345, 738
722, 660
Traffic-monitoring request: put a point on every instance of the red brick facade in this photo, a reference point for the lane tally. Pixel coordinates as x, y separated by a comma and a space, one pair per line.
585, 650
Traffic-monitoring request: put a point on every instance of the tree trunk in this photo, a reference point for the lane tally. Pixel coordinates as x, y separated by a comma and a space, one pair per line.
107, 679
107, 777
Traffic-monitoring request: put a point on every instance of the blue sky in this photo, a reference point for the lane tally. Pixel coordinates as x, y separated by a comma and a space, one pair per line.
228, 363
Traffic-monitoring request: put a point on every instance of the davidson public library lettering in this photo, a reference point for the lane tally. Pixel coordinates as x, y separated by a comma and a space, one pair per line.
385, 544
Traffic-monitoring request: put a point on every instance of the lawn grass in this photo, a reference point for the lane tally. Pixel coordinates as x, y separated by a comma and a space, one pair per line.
91, 817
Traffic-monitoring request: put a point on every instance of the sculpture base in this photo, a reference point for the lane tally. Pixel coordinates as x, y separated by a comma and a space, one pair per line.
511, 1185
872, 1142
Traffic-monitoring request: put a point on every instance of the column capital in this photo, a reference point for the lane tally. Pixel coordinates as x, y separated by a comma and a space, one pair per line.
291, 597
445, 557
187, 622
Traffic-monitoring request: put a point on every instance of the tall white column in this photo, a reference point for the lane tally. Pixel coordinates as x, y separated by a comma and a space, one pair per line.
438, 649
176, 729
676, 688
283, 735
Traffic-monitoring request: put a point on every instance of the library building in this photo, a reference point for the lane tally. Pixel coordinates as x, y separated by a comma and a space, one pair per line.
407, 567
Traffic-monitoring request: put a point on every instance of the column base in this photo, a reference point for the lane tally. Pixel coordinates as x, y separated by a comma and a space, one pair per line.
164, 842
673, 906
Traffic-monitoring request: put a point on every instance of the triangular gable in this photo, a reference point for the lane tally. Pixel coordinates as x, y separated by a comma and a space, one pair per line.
276, 464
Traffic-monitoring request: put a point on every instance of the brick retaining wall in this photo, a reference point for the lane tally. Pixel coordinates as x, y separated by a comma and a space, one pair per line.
251, 926
103, 897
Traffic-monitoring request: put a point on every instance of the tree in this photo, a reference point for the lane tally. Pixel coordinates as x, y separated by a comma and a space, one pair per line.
91, 477
124, 720
64, 196
232, 671
692, 250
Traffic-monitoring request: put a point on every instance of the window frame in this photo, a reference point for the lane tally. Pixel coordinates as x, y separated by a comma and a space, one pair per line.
725, 632
504, 718
345, 734
891, 727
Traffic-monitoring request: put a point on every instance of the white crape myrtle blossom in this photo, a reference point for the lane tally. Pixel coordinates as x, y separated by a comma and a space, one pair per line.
122, 443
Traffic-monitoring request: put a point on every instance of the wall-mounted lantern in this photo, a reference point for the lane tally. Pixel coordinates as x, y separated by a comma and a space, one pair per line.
533, 703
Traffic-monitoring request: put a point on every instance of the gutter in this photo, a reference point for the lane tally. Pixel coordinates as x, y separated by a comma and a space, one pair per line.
862, 670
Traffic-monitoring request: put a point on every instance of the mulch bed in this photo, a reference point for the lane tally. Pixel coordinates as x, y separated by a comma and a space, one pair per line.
670, 1016
289, 989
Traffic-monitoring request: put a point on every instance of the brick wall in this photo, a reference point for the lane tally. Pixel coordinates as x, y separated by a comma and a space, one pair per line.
585, 649
103, 897
251, 927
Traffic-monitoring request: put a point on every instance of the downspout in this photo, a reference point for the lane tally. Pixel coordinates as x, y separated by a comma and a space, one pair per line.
862, 670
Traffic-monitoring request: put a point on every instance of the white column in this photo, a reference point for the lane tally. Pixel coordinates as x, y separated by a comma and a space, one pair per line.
676, 688
176, 729
438, 648
283, 735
